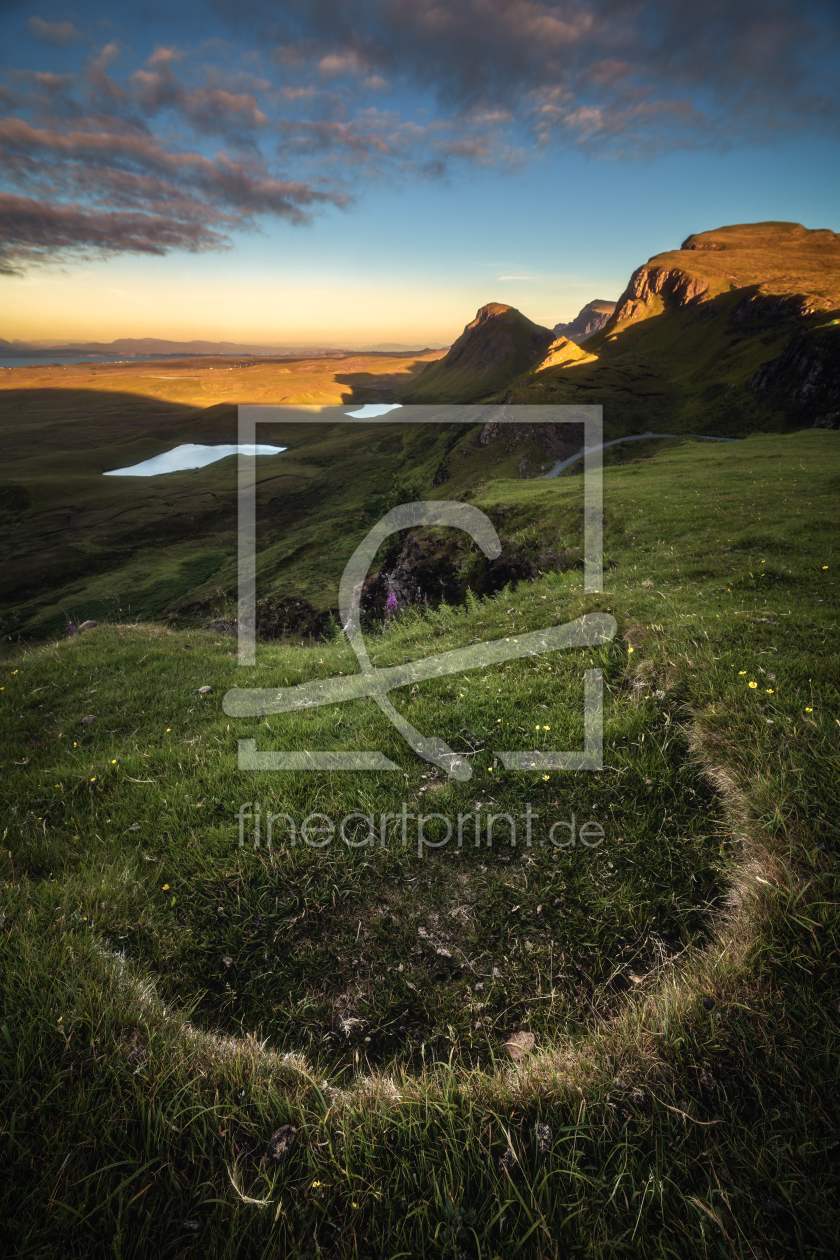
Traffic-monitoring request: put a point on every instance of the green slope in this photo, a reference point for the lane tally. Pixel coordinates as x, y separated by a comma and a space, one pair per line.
172, 999
693, 327
498, 345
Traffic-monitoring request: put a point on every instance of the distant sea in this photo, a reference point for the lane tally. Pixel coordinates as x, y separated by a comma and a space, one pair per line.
68, 360
44, 361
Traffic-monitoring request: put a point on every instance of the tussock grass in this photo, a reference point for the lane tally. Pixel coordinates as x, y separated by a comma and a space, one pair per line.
681, 1096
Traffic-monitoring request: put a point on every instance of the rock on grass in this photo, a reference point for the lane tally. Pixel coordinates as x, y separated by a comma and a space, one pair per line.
519, 1044
282, 1142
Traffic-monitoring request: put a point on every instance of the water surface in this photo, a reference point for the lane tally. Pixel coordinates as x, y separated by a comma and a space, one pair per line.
187, 456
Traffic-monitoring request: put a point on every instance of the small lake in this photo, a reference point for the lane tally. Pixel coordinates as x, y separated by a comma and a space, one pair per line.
189, 456
369, 410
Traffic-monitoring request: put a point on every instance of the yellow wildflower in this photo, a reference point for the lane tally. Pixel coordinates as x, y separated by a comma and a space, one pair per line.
166, 888
753, 685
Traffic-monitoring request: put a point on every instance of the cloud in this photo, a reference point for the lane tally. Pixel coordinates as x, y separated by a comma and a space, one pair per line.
345, 62
183, 149
37, 231
211, 110
713, 73
360, 137
93, 190
56, 33
214, 110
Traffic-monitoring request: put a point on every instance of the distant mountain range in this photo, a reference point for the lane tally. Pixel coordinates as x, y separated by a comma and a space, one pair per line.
587, 322
151, 347
143, 347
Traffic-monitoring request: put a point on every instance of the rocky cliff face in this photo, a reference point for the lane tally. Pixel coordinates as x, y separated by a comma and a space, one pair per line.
676, 288
805, 379
771, 262
757, 307
587, 322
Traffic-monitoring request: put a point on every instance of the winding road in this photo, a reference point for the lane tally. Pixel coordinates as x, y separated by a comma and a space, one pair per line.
636, 437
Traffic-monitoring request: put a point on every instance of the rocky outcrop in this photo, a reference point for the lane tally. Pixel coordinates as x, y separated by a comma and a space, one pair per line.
767, 261
757, 307
676, 288
692, 242
804, 380
587, 322
560, 440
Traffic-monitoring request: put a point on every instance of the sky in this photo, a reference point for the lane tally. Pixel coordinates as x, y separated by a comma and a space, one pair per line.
356, 172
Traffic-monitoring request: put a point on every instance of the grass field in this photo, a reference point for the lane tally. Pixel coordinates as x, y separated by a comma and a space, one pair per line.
79, 546
172, 998
679, 372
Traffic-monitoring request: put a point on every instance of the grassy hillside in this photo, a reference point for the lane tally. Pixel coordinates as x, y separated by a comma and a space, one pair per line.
777, 258
82, 546
171, 999
694, 325
497, 346
783, 259
714, 338
108, 548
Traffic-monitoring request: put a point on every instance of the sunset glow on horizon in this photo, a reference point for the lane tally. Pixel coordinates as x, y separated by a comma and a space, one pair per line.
277, 175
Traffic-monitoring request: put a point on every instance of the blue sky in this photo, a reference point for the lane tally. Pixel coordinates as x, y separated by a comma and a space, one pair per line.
351, 173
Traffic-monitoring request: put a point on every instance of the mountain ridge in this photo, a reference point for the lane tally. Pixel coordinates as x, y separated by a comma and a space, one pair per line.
734, 332
499, 344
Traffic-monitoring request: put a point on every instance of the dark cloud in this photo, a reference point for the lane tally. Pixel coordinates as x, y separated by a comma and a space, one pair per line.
336, 93
36, 231
112, 189
712, 71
